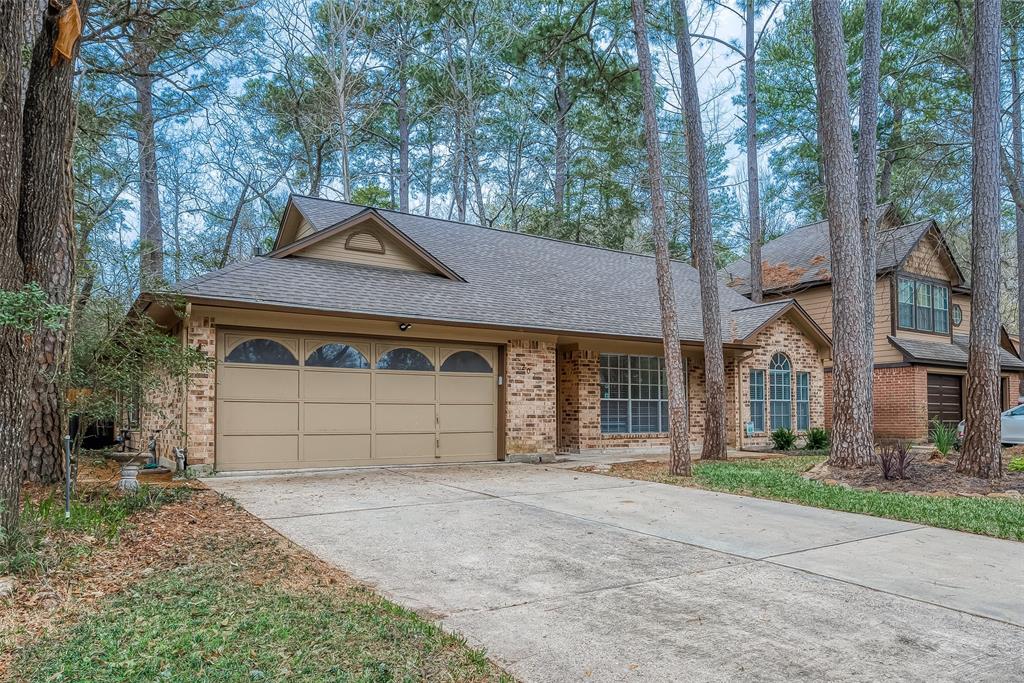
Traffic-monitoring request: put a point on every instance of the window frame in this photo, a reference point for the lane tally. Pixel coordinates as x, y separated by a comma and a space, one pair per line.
759, 402
931, 286
803, 401
787, 385
633, 390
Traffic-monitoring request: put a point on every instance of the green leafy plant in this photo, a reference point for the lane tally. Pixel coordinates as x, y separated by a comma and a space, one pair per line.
23, 309
943, 437
783, 439
817, 439
1016, 465
895, 459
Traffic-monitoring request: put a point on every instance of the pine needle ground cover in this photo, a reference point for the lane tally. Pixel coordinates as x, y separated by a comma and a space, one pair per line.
198, 590
780, 479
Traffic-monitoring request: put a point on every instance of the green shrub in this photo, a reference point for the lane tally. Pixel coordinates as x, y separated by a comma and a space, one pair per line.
817, 439
944, 437
1016, 465
783, 439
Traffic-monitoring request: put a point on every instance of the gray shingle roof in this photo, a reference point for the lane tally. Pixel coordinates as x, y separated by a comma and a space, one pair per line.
946, 353
512, 281
802, 256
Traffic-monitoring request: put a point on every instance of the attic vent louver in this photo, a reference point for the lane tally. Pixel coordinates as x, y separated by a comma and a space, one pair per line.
364, 241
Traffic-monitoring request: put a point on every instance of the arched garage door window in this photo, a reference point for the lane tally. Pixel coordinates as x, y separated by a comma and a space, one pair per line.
465, 361
404, 358
265, 351
335, 355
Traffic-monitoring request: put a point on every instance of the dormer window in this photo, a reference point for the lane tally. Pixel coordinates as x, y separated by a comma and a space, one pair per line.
923, 306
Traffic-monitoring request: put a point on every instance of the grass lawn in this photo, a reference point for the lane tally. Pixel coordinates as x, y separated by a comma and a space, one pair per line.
186, 586
779, 479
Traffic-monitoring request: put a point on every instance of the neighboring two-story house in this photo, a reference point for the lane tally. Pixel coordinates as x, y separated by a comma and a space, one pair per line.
922, 319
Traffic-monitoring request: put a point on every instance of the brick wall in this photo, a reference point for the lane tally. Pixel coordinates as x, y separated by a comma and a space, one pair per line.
162, 406
201, 402
161, 410
530, 397
782, 336
901, 403
579, 396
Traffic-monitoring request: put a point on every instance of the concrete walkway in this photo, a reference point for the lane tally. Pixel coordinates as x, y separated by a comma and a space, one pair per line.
565, 576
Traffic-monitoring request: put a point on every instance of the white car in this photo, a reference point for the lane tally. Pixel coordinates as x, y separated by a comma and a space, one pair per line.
1013, 427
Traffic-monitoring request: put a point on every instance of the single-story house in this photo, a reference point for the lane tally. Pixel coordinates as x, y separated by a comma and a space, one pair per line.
922, 319
369, 337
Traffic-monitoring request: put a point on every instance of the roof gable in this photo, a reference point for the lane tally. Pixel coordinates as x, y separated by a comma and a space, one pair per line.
366, 238
931, 256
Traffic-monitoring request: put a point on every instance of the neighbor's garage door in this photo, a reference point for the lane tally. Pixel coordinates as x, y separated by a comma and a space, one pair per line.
945, 398
288, 401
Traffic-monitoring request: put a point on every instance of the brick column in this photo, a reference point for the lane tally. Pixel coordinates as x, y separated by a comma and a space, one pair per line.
530, 399
200, 397
579, 399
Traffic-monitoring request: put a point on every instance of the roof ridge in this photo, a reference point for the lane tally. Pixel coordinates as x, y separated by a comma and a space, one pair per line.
763, 304
493, 229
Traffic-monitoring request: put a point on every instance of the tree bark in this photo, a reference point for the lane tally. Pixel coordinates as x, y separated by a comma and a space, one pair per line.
403, 138
867, 167
753, 184
1017, 136
714, 447
981, 453
236, 215
851, 431
890, 157
562, 106
12, 356
151, 231
678, 417
47, 234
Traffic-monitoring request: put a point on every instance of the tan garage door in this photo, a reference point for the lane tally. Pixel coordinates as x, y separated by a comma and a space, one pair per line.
293, 401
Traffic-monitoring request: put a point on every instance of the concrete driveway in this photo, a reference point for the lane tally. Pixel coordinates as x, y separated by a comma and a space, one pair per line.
566, 576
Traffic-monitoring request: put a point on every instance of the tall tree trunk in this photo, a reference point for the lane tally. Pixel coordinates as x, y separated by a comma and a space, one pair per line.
562, 106
867, 166
714, 447
47, 233
981, 453
678, 405
236, 215
891, 155
403, 138
852, 443
428, 181
1017, 121
753, 184
151, 231
12, 274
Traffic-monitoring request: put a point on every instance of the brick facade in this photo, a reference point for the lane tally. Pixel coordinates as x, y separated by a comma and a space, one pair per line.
579, 393
201, 403
530, 398
782, 336
900, 400
162, 406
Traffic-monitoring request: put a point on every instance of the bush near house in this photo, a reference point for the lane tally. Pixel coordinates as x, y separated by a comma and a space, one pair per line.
783, 439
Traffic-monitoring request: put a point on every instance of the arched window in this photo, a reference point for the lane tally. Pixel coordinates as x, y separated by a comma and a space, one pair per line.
337, 356
465, 361
780, 392
266, 351
404, 359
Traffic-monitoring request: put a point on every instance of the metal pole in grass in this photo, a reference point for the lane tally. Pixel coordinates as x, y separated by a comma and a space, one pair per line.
67, 477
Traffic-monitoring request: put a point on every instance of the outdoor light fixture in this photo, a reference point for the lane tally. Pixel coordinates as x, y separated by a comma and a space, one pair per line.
404, 326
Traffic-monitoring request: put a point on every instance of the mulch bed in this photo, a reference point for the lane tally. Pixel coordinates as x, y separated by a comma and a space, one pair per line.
203, 528
933, 475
